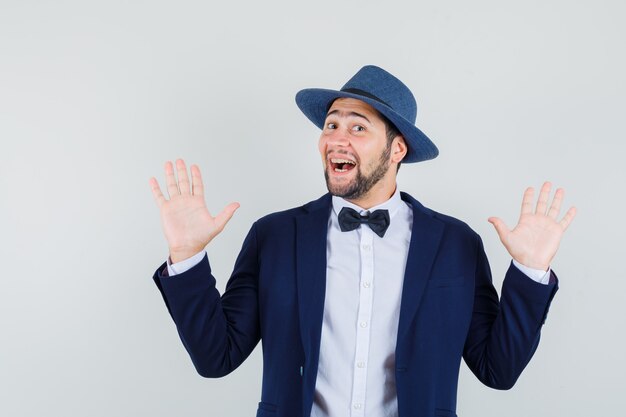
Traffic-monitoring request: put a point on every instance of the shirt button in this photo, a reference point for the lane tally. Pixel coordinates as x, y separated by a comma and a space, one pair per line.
366, 247
363, 324
366, 284
357, 406
361, 364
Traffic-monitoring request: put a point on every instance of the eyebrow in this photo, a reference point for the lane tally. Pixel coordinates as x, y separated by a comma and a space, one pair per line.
352, 113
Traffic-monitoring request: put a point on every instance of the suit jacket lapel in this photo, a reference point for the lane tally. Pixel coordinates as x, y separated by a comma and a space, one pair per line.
426, 235
311, 232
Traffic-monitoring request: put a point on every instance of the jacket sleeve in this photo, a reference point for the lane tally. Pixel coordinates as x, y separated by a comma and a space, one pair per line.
504, 334
219, 333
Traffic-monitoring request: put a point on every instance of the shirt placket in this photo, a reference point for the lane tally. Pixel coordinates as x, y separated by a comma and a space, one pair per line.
363, 333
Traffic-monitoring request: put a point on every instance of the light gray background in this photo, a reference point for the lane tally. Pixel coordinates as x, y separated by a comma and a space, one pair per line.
96, 96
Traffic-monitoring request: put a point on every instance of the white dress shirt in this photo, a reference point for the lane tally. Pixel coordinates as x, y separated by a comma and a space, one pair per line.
364, 277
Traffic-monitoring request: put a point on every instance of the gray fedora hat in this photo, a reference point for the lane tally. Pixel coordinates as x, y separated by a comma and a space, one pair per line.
385, 93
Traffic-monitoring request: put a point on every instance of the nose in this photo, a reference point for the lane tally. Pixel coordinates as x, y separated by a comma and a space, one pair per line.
338, 137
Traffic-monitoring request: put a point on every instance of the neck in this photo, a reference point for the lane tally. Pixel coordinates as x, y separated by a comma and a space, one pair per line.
377, 195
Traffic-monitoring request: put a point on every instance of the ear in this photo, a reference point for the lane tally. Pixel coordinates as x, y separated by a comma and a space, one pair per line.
398, 149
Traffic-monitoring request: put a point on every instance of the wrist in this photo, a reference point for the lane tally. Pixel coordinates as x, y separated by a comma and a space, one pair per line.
533, 264
178, 255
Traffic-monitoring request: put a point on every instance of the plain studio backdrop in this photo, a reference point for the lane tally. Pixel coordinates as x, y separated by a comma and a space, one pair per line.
96, 96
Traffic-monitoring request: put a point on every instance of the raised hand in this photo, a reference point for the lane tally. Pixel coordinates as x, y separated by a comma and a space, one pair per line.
536, 238
186, 221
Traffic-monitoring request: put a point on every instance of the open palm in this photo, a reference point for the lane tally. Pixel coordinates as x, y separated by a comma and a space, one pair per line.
536, 237
187, 223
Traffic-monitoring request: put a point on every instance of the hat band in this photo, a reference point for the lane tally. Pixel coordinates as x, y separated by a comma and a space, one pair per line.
365, 94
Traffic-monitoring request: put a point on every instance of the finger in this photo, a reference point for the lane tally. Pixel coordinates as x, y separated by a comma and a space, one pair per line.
544, 194
156, 192
196, 181
500, 226
183, 178
527, 201
567, 219
170, 180
555, 207
223, 218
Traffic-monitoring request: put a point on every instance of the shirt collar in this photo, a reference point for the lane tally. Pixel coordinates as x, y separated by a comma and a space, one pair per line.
393, 204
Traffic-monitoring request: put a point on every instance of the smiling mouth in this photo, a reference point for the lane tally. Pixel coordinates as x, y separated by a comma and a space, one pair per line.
341, 165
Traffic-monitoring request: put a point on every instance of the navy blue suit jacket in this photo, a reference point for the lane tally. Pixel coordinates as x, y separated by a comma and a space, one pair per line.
449, 310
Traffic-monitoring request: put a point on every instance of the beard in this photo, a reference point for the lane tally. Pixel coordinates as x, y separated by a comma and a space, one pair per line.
362, 183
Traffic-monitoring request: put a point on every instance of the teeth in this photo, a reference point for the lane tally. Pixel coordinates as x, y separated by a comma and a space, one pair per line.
340, 170
342, 161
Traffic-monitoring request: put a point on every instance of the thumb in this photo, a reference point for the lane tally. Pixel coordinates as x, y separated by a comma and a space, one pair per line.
501, 227
223, 218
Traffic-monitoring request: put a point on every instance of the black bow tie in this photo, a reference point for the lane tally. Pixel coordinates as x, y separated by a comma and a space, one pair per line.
350, 219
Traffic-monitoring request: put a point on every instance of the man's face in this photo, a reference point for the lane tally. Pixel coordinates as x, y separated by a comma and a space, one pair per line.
354, 148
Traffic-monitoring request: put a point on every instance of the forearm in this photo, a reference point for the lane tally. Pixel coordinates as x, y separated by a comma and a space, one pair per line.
504, 333
218, 332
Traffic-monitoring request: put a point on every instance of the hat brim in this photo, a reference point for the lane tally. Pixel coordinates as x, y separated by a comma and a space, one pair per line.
314, 103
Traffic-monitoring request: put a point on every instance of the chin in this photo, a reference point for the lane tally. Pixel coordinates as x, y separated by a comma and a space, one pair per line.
339, 185
344, 189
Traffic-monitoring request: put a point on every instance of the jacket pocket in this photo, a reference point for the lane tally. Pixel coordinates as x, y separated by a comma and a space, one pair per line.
266, 409
440, 412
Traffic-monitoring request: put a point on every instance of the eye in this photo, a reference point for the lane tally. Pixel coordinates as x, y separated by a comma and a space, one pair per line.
331, 125
358, 128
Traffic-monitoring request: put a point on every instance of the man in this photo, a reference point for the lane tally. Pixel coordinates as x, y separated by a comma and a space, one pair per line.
364, 300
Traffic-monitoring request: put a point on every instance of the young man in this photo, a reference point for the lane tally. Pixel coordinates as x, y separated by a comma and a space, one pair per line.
364, 300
